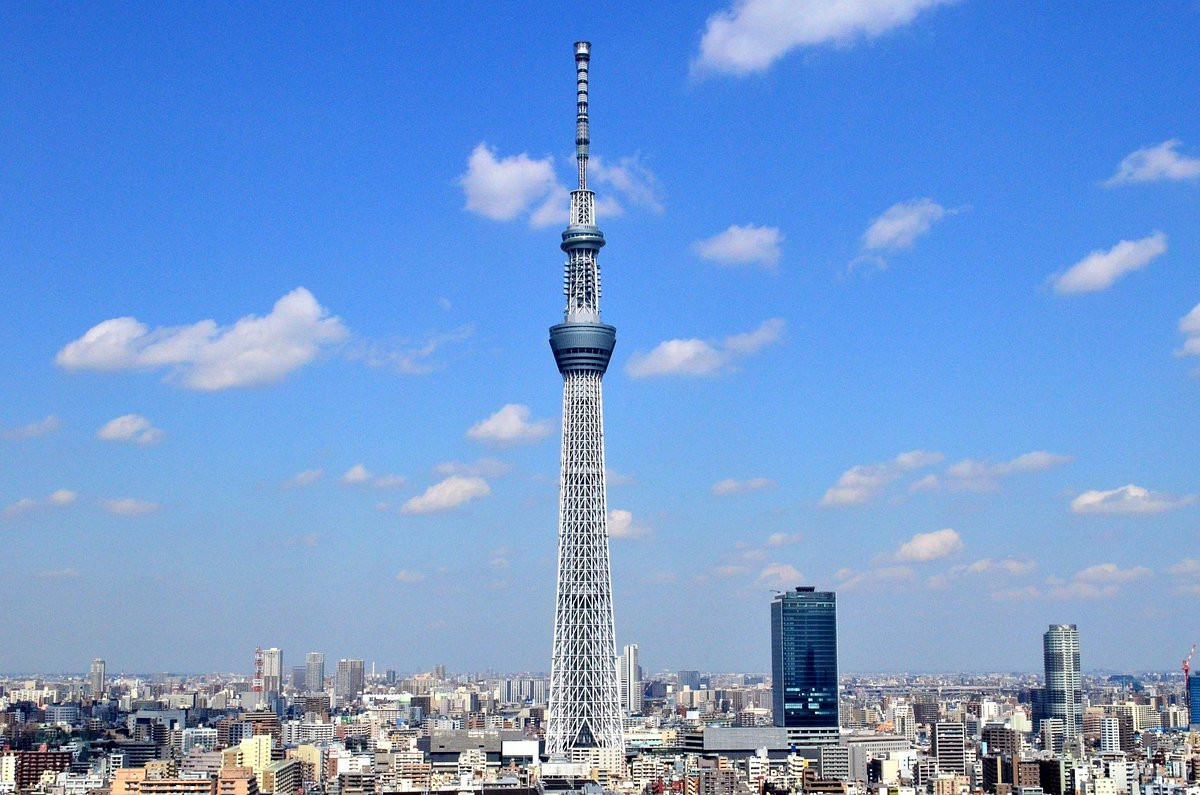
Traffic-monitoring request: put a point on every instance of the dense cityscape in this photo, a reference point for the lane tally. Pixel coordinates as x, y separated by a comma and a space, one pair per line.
352, 729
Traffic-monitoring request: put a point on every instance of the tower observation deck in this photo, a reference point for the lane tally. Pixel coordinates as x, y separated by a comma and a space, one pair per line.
584, 712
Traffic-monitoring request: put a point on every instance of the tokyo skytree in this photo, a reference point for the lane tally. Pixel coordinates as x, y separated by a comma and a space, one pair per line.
584, 710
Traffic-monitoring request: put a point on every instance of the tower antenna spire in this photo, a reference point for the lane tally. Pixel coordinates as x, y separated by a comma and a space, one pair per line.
583, 56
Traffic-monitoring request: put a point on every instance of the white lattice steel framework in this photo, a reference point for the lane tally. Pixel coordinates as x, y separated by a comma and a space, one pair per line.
584, 709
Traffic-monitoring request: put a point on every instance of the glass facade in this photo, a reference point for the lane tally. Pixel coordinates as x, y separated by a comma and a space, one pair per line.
804, 658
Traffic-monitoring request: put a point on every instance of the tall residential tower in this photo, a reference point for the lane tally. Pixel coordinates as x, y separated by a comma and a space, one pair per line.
584, 712
1064, 686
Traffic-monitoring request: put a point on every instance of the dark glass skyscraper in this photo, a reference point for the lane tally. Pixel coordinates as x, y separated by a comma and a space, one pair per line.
804, 664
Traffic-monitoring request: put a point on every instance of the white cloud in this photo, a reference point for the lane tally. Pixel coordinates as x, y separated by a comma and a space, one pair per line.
780, 575
305, 478
984, 566
408, 576
1100, 269
924, 547
1106, 573
62, 497
252, 352
1128, 499
131, 428
784, 539
356, 474
743, 245
982, 475
863, 482
27, 504
1155, 164
127, 506
450, 493
1189, 326
622, 525
504, 188
1185, 567
407, 358
901, 224
753, 34
732, 486
34, 429
510, 187
700, 357
728, 570
499, 558
510, 425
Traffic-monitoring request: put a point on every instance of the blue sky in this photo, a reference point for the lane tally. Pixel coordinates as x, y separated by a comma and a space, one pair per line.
904, 294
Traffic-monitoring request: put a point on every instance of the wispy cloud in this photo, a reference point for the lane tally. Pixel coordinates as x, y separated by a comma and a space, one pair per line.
34, 429
355, 475
850, 580
407, 358
1128, 499
702, 357
59, 574
301, 479
621, 524
409, 576
480, 468
1100, 581
784, 539
450, 493
743, 245
863, 482
753, 34
1099, 269
924, 547
977, 475
632, 180
1009, 567
128, 506
1156, 164
733, 486
252, 352
132, 429
511, 425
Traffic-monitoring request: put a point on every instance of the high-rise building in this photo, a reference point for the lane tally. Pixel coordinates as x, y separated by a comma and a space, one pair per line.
1063, 697
314, 673
690, 679
804, 665
272, 670
299, 677
1193, 700
948, 744
629, 679
584, 712
96, 678
348, 684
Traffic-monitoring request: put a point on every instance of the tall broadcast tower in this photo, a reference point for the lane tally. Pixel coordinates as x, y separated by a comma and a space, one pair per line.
584, 709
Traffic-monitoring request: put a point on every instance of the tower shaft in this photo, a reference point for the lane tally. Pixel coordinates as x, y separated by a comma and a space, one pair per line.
584, 710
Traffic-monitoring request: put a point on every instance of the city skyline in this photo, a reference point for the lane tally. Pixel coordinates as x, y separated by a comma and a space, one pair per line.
896, 323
